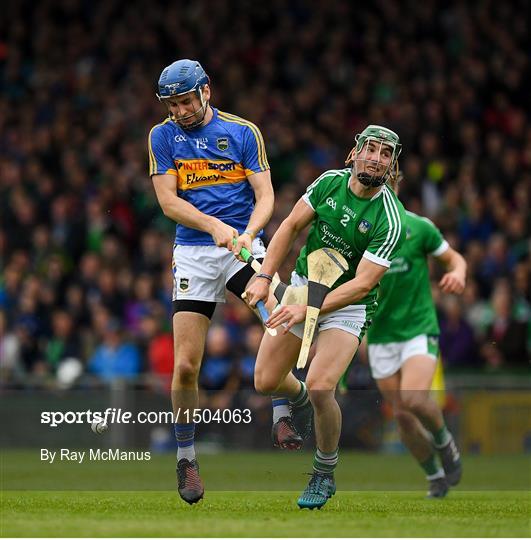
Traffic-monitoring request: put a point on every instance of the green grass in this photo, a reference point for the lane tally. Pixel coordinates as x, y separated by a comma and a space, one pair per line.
138, 498
258, 514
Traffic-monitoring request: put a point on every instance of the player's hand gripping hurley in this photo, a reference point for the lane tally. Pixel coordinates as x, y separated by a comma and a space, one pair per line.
325, 267
285, 294
260, 306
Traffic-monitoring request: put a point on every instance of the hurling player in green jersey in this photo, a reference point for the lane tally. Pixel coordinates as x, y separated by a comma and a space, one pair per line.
403, 348
353, 211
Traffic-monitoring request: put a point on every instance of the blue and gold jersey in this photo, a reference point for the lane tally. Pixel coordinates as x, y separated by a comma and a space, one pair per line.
211, 164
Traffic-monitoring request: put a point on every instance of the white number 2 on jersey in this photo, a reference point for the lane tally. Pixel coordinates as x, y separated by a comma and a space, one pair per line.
344, 220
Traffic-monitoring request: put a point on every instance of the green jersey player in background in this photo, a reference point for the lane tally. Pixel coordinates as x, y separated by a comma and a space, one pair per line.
403, 348
354, 212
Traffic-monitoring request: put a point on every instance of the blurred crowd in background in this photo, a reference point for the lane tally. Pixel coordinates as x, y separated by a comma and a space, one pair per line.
85, 250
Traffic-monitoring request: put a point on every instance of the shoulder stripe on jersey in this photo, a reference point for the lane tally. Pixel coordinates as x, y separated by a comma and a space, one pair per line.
390, 230
395, 227
153, 166
394, 210
327, 174
152, 162
262, 157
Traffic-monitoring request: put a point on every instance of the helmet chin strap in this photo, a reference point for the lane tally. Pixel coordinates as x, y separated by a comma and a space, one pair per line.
371, 181
199, 121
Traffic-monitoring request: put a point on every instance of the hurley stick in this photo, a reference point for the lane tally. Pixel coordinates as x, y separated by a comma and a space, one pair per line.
285, 294
325, 266
260, 310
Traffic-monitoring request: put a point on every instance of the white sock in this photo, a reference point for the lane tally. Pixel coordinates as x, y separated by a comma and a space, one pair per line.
438, 474
186, 452
280, 408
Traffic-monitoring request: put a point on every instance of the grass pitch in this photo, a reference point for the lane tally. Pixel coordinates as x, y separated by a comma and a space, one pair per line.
138, 499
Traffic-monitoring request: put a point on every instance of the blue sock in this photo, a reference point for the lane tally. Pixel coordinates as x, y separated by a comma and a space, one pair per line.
185, 433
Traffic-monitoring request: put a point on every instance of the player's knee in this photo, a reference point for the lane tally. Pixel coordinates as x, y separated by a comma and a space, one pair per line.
320, 398
413, 400
186, 372
320, 383
405, 420
264, 383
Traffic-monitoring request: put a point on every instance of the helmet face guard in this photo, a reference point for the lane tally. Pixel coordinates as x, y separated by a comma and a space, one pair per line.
199, 114
358, 156
180, 78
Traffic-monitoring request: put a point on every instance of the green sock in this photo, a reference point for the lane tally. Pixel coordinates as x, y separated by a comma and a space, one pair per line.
302, 397
325, 462
442, 436
430, 466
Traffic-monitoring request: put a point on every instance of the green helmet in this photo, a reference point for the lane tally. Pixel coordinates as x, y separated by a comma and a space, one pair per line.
384, 136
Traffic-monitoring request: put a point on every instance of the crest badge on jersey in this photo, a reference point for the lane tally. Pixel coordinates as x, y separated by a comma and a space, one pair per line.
364, 226
184, 283
222, 143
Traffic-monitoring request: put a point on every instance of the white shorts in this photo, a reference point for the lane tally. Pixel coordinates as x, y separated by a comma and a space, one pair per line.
387, 358
202, 272
351, 319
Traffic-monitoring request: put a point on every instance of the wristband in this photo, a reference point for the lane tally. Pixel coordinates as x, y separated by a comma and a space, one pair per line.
265, 276
250, 233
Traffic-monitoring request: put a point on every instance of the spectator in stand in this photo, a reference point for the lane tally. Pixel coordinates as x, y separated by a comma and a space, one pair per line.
75, 304
109, 294
73, 194
477, 223
10, 287
522, 296
115, 358
64, 341
141, 304
9, 351
149, 257
506, 343
159, 348
497, 263
26, 332
457, 343
253, 337
218, 365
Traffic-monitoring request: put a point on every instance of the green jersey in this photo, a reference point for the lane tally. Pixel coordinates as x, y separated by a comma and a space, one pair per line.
405, 304
356, 227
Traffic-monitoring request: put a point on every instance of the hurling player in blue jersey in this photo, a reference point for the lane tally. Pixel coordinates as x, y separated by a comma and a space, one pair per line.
211, 176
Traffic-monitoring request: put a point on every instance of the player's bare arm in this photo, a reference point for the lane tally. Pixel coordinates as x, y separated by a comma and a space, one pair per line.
278, 249
185, 213
368, 274
263, 209
454, 279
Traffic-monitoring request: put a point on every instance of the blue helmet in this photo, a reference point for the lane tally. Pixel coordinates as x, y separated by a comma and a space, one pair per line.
181, 77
